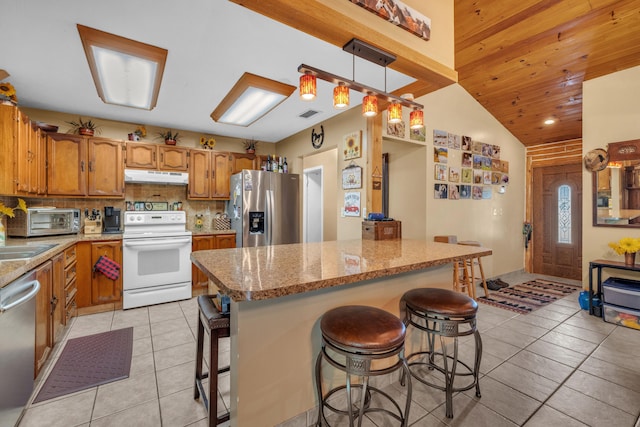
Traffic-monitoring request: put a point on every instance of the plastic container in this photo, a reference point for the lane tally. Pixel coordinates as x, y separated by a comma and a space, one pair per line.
621, 292
622, 316
583, 300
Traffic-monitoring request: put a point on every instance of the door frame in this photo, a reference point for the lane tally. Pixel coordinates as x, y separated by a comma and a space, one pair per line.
305, 204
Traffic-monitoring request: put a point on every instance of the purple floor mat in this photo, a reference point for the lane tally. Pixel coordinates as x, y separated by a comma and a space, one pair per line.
89, 361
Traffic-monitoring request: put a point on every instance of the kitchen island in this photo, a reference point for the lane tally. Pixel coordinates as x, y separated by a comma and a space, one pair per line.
280, 292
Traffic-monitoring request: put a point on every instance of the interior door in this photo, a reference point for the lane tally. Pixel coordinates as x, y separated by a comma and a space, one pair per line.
557, 221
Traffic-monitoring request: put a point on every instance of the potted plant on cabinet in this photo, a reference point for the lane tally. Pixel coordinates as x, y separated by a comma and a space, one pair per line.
84, 127
170, 137
250, 145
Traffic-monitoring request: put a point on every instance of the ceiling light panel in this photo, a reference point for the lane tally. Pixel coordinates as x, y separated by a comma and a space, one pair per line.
250, 99
126, 72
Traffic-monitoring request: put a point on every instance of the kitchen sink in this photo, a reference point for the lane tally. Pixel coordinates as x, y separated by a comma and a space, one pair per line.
11, 253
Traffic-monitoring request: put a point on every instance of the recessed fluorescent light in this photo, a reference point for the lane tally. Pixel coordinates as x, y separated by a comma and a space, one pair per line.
125, 72
249, 99
549, 122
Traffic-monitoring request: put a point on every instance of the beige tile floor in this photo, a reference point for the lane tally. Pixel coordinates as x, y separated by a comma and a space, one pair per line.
555, 366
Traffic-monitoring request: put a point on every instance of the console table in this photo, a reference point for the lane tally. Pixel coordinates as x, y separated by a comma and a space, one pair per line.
599, 264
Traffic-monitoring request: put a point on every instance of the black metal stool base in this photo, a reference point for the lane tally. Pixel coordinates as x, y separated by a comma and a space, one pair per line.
352, 351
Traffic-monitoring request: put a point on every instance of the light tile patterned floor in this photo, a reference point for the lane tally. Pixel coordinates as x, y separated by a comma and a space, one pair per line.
555, 366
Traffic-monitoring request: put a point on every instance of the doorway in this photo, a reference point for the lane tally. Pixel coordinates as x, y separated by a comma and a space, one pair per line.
312, 205
557, 221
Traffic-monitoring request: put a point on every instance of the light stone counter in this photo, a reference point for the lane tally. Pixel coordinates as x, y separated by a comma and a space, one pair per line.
279, 293
11, 270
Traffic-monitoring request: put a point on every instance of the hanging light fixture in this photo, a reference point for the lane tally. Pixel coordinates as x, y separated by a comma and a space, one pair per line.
307, 87
369, 106
370, 101
416, 119
394, 113
340, 96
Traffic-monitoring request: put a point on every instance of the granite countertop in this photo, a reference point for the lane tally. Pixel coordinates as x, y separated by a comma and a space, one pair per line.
11, 270
209, 231
273, 271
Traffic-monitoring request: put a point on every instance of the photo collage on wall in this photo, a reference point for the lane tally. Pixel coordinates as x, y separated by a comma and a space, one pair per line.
466, 169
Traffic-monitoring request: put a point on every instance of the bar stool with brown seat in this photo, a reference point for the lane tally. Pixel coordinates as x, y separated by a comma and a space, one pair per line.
216, 325
362, 341
469, 271
447, 314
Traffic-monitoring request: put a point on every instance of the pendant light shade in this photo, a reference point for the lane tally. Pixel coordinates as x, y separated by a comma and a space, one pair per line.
416, 119
394, 113
340, 96
369, 106
307, 87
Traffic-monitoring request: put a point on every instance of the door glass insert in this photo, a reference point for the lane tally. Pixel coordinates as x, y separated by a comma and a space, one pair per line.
564, 214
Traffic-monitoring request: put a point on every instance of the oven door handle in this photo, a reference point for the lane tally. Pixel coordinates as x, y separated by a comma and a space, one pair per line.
164, 242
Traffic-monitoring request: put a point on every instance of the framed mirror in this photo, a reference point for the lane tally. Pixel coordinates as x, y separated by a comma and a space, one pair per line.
616, 186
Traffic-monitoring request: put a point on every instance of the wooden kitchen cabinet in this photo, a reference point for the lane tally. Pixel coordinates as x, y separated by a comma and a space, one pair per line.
221, 172
209, 173
44, 339
22, 164
58, 315
199, 280
80, 166
95, 291
156, 157
70, 287
240, 161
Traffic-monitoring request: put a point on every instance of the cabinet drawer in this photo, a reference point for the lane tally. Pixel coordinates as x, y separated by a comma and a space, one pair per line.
69, 255
71, 310
70, 293
69, 274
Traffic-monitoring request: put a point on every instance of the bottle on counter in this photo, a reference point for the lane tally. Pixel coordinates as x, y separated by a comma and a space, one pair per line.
285, 166
280, 167
268, 163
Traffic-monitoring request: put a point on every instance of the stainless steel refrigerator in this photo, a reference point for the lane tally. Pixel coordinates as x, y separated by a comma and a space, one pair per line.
265, 208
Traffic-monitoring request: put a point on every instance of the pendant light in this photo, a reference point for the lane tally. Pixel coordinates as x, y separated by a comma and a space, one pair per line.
416, 119
369, 106
307, 87
394, 113
340, 96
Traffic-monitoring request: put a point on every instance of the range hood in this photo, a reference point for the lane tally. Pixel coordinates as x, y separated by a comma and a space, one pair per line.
137, 176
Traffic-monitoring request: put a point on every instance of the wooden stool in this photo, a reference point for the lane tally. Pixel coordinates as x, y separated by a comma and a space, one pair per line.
216, 325
469, 273
354, 337
447, 314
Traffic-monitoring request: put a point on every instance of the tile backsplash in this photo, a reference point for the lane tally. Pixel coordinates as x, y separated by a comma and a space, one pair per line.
136, 193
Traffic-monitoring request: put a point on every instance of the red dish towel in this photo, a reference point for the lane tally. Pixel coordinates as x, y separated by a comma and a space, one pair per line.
108, 267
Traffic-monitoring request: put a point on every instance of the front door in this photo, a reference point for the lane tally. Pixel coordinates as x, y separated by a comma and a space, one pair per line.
557, 221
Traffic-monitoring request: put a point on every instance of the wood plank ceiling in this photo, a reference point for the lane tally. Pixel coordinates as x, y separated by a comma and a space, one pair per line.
525, 60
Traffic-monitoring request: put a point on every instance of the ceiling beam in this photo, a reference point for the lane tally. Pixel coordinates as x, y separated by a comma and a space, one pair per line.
338, 21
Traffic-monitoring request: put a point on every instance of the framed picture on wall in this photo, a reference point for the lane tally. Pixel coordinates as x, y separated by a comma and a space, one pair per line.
352, 203
351, 177
352, 145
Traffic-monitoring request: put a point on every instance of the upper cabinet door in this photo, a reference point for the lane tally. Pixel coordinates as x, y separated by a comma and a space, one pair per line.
67, 165
200, 174
173, 158
220, 175
142, 156
106, 167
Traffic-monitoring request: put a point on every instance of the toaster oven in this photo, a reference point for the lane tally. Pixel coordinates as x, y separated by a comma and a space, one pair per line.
44, 222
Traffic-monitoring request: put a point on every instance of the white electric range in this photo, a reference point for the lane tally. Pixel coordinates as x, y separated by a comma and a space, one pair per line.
156, 258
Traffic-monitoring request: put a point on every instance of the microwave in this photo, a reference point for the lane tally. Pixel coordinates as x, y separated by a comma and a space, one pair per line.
38, 222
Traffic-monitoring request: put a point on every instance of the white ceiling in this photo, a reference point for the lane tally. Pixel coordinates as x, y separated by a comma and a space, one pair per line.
211, 43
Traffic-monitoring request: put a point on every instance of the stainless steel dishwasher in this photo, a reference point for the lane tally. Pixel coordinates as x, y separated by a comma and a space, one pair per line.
17, 346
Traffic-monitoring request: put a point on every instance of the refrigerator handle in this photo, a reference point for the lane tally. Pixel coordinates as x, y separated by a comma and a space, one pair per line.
269, 219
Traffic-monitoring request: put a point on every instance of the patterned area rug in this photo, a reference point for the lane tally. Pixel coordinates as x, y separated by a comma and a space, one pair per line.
89, 361
529, 296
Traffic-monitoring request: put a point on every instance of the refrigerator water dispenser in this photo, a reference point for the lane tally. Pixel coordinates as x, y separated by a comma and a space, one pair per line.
256, 222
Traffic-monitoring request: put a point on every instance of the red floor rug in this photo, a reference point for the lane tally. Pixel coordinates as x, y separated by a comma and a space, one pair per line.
529, 296
89, 361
